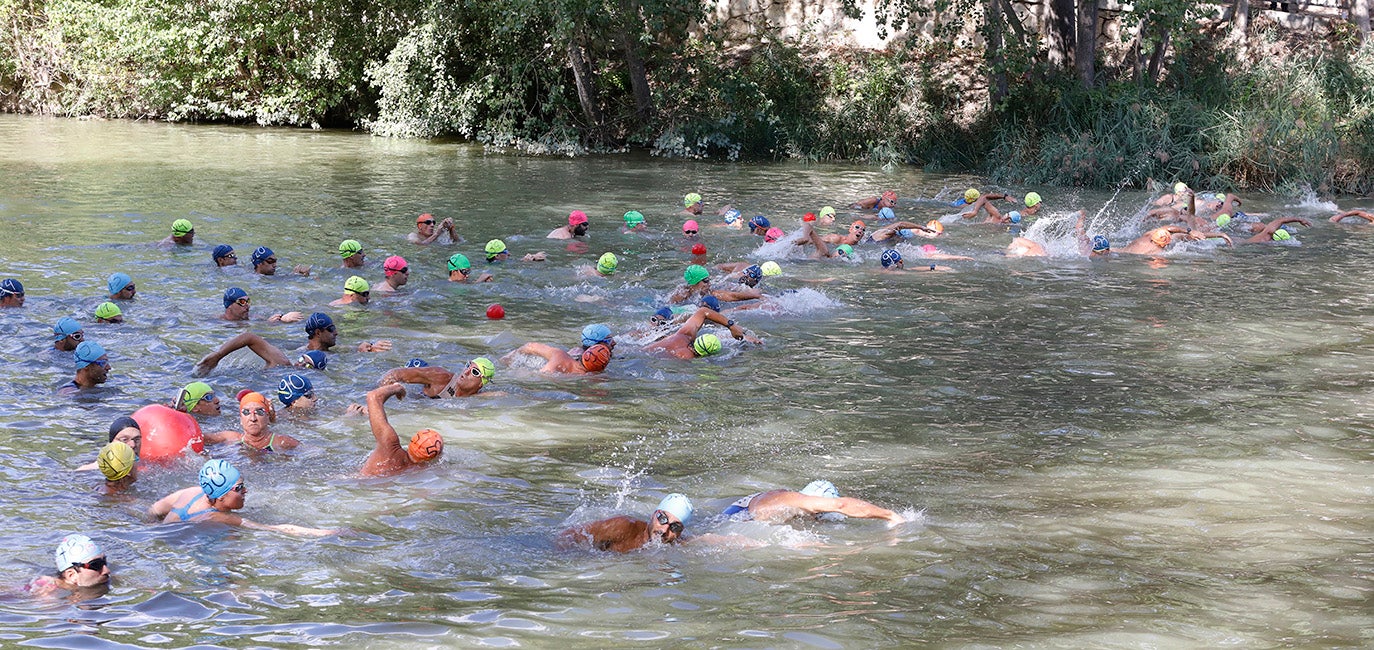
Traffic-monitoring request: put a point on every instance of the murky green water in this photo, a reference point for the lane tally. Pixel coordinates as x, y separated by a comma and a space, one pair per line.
1136, 453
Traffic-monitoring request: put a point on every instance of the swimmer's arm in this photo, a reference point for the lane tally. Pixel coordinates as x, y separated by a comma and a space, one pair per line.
548, 352
1360, 214
161, 507
1199, 235
222, 437
732, 267
382, 431
736, 296
849, 507
286, 529
88, 467
381, 345
1278, 223
432, 376
485, 277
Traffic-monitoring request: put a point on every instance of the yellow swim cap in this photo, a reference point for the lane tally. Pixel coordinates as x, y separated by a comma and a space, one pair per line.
770, 268
970, 195
108, 310
1032, 199
116, 460
356, 284
827, 211
349, 247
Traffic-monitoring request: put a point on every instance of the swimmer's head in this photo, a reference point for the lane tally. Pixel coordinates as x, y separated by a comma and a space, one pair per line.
1161, 237
357, 285
11, 287
710, 302
182, 227
889, 196
929, 249
596, 357
759, 221
886, 214
293, 387
1032, 199
218, 477
821, 489
75, 550
773, 234
698, 248
485, 368
677, 505
607, 264
933, 228
809, 217
1223, 220
459, 262
690, 227
192, 394
970, 195
633, 218
731, 216
891, 258
1282, 235
116, 460
313, 359
1014, 216
691, 199
1180, 187
577, 218
770, 269
845, 250
349, 248
706, 345
395, 264
661, 316
695, 274
425, 445
233, 295
120, 424
417, 363
752, 274
65, 327
224, 252
1101, 244
109, 312
826, 211
263, 255
87, 353
907, 233
593, 334
495, 248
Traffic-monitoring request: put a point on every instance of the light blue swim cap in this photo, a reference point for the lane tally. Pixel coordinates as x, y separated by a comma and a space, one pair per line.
821, 489
677, 505
1014, 216
593, 334
217, 477
887, 214
65, 327
118, 281
907, 233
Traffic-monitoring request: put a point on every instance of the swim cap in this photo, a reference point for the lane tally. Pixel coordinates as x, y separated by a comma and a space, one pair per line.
821, 489
711, 302
218, 477
845, 250
934, 224
929, 248
121, 423
690, 224
292, 387
116, 460
11, 286
593, 334
731, 215
695, 273
887, 214
666, 313
349, 248
1160, 237
487, 367
193, 393
770, 269
247, 397
393, 264
827, 211
424, 217
759, 221
970, 195
1032, 199
1180, 187
634, 218
907, 233
417, 363
495, 247
356, 284
773, 234
699, 249
1100, 244
65, 327
810, 216
317, 321
1014, 216
607, 264
706, 345
691, 199
117, 282
74, 550
426, 445
261, 253
1282, 235
596, 357
754, 271
315, 359
223, 250
459, 262
891, 257
577, 217
677, 505
181, 227
232, 295
108, 310
1223, 220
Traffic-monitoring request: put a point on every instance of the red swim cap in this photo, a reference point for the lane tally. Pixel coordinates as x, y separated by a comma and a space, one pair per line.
810, 216
699, 249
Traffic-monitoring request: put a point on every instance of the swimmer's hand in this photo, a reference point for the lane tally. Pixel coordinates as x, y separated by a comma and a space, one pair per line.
302, 269
355, 409
380, 346
894, 519
288, 317
388, 378
535, 257
750, 338
302, 531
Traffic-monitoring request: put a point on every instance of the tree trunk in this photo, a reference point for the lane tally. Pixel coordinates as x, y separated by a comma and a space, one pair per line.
631, 22
1085, 46
1157, 57
1059, 32
1240, 23
1359, 10
997, 59
586, 86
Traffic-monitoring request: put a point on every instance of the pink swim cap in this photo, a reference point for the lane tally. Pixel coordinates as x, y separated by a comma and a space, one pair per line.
394, 263
928, 248
773, 234
576, 217
690, 225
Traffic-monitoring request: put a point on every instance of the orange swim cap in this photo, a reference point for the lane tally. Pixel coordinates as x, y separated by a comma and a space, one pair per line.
251, 397
424, 217
426, 445
934, 224
857, 224
596, 358
1161, 237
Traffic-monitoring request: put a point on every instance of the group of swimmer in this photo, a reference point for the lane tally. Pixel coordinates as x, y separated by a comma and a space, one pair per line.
675, 330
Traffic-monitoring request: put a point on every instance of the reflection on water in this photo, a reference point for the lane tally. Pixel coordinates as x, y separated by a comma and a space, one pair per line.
1136, 452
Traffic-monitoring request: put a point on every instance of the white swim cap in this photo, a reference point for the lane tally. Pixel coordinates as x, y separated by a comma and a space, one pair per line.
821, 489
677, 505
75, 549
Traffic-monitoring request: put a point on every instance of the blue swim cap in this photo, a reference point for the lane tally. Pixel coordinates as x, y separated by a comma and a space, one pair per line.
593, 334
666, 313
1100, 244
891, 257
677, 505
64, 328
317, 320
11, 286
218, 477
292, 387
118, 281
759, 221
232, 294
88, 353
754, 271
710, 301
906, 233
1014, 216
315, 359
887, 213
261, 254
223, 250
732, 215
821, 489
417, 363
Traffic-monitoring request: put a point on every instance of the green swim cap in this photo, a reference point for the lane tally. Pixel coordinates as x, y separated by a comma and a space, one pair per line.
845, 249
690, 199
495, 247
634, 218
706, 345
1032, 199
607, 264
349, 248
459, 262
357, 285
192, 393
827, 211
181, 227
108, 310
695, 273
1282, 235
771, 268
487, 367
1223, 219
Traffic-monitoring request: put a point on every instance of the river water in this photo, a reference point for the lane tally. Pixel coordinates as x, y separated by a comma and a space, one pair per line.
1139, 452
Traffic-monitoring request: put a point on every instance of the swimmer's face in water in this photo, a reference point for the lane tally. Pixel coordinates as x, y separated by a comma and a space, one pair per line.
666, 527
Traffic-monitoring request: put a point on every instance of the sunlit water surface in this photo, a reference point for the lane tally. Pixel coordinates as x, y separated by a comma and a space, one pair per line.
1170, 452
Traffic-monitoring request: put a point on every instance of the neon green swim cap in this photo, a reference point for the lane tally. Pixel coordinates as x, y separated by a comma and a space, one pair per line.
1223, 219
827, 211
695, 273
691, 199
706, 345
459, 262
1282, 235
349, 248
970, 195
634, 218
116, 460
108, 310
1032, 199
495, 247
181, 227
192, 393
487, 367
771, 268
357, 285
607, 264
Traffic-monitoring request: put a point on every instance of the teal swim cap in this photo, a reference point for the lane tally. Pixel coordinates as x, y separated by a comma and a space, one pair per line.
845, 250
634, 218
695, 274
706, 345
459, 262
218, 477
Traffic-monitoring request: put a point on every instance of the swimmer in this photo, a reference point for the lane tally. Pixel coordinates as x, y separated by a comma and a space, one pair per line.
388, 457
1100, 247
685, 342
197, 398
692, 205
759, 225
124, 430
605, 267
356, 292
265, 263
1274, 231
81, 569
460, 270
397, 275
183, 234
690, 230
1160, 238
121, 287
237, 304
634, 222
351, 250
92, 368
320, 330
439, 382
1032, 202
817, 498
893, 263
930, 252
220, 493
255, 415
314, 359
118, 463
67, 334
11, 293
623, 534
577, 226
970, 196
698, 284
296, 393
826, 216
773, 234
853, 237
887, 199
1023, 247
108, 312
497, 252
427, 233
1340, 217
224, 255
903, 230
731, 216
593, 359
